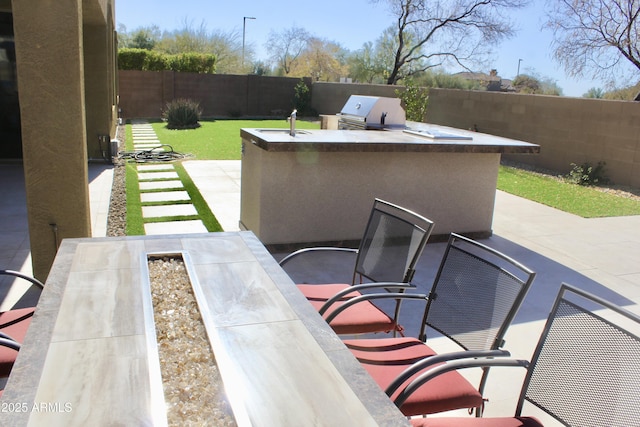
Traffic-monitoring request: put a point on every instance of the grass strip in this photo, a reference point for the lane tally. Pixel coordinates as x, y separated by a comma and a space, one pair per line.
172, 218
208, 218
587, 202
135, 223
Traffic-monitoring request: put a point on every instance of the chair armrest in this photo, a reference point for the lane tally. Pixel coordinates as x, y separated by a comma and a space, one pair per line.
7, 342
452, 366
427, 362
357, 288
30, 279
368, 297
299, 252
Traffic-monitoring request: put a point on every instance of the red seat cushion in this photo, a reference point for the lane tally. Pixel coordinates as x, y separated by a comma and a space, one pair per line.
386, 358
15, 324
321, 293
360, 318
476, 422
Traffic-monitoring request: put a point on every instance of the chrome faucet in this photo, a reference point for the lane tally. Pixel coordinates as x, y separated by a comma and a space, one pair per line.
292, 123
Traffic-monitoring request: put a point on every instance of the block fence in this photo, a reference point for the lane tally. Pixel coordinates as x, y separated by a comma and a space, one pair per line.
569, 130
144, 94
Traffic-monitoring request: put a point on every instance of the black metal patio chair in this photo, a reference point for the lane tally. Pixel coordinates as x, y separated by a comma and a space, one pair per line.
14, 324
475, 296
585, 370
393, 240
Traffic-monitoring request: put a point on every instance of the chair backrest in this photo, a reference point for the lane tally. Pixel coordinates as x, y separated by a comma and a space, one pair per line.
585, 370
392, 243
475, 295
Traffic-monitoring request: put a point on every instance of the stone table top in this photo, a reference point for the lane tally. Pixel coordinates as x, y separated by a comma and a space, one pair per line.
90, 355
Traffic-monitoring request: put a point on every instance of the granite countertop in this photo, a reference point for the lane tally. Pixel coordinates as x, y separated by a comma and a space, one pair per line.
418, 137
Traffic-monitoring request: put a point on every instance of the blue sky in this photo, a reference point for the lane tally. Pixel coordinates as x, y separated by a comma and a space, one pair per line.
351, 23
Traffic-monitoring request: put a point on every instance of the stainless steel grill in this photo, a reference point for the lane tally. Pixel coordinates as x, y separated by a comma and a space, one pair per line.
371, 112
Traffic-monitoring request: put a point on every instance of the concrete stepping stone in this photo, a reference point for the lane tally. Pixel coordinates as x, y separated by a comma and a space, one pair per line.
164, 196
143, 147
174, 227
146, 176
168, 210
160, 185
145, 139
155, 167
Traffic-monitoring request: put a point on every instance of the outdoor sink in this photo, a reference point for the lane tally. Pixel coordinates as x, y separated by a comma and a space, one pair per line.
282, 131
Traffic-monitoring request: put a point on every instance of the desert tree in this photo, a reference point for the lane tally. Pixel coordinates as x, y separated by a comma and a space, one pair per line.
440, 32
364, 66
141, 38
599, 38
594, 92
285, 47
226, 46
322, 60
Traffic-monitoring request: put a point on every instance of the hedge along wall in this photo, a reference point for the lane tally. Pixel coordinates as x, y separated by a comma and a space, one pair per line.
568, 130
143, 94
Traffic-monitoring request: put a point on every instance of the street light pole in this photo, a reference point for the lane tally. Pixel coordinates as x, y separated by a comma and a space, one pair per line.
244, 28
519, 61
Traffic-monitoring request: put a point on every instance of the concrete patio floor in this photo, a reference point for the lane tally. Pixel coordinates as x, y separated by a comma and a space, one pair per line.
599, 255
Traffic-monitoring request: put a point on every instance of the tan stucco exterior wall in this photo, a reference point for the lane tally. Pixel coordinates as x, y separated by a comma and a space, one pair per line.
66, 85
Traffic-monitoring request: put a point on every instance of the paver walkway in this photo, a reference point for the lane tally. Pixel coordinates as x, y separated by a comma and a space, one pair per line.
162, 193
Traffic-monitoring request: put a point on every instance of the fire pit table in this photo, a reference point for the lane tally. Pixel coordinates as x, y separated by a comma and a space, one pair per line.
90, 356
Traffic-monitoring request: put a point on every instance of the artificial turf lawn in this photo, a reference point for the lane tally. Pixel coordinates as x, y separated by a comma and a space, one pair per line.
218, 139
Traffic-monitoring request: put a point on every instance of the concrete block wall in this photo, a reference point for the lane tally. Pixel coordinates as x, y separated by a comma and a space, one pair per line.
145, 93
569, 130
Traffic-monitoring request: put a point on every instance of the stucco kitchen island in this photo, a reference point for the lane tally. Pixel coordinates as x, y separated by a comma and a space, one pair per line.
318, 186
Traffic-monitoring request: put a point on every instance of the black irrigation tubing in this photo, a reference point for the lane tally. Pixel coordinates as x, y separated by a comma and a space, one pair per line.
153, 155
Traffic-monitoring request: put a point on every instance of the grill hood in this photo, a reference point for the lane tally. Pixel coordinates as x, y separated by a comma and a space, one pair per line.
371, 112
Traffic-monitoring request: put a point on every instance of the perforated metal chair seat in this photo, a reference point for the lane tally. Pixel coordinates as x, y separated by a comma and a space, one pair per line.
477, 422
386, 358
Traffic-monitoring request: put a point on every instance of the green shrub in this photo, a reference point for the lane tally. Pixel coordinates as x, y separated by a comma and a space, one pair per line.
415, 100
585, 174
131, 59
155, 61
149, 60
193, 62
302, 99
182, 114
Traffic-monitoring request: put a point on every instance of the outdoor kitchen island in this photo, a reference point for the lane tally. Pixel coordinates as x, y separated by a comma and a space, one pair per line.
319, 185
